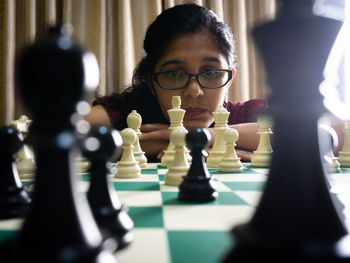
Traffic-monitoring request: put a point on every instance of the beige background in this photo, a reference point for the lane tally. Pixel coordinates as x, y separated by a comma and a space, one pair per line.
114, 31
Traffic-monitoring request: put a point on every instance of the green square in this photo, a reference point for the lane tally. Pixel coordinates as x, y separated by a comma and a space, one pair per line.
6, 235
258, 169
136, 186
85, 177
224, 198
146, 216
245, 186
198, 246
161, 177
229, 198
344, 170
149, 171
213, 170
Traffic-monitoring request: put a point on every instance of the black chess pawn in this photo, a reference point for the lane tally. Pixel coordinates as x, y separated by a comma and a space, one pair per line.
198, 185
14, 200
52, 79
101, 145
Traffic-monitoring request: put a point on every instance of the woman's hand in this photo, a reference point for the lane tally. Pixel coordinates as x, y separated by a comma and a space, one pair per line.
154, 139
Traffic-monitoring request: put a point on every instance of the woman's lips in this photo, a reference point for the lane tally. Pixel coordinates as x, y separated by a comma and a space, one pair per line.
194, 112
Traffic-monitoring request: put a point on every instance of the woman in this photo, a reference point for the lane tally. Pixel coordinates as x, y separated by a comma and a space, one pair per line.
189, 53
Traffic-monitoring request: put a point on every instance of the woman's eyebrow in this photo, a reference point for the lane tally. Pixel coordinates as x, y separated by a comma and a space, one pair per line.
211, 59
171, 62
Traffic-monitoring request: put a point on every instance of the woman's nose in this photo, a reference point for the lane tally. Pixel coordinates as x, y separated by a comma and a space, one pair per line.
193, 89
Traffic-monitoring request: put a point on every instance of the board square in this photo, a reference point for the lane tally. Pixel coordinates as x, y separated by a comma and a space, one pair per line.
146, 216
205, 217
151, 245
188, 245
135, 186
224, 198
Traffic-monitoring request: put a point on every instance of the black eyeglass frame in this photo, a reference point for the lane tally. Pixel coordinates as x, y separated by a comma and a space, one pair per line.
190, 75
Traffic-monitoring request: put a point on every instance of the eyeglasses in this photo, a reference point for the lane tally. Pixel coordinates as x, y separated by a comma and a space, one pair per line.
210, 79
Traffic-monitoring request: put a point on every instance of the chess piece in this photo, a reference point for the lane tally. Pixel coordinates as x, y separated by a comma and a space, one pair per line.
219, 146
328, 140
101, 145
25, 157
127, 166
81, 164
14, 200
262, 155
331, 163
231, 162
134, 121
197, 185
295, 220
52, 78
179, 166
176, 115
344, 154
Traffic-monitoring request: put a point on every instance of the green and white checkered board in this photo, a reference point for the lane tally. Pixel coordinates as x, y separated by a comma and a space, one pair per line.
167, 230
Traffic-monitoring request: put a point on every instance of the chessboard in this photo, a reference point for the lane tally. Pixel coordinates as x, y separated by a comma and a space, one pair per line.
169, 230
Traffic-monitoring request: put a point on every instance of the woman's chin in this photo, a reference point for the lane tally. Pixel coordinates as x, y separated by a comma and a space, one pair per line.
196, 123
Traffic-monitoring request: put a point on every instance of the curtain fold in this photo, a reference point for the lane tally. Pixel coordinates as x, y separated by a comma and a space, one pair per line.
114, 31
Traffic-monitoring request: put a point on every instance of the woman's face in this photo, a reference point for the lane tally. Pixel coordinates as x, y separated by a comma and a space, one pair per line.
192, 53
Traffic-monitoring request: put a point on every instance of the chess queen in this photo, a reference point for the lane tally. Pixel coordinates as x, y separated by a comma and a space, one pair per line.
190, 53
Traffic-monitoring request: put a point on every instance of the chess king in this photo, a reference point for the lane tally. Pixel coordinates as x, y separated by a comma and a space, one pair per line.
295, 220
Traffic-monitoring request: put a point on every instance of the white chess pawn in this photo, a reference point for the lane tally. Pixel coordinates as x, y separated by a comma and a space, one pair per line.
176, 115
180, 165
230, 162
25, 157
81, 164
134, 121
331, 163
344, 154
263, 154
219, 146
127, 166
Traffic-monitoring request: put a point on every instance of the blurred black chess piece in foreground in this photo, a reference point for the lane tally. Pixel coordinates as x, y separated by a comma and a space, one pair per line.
52, 75
101, 145
296, 220
14, 200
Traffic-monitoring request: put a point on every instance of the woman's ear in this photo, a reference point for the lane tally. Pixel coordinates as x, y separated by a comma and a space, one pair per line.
149, 83
233, 73
233, 76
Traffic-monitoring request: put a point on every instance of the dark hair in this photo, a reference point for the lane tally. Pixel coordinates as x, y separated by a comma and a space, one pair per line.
187, 18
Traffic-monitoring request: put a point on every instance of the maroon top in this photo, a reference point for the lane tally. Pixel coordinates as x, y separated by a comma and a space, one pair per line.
240, 112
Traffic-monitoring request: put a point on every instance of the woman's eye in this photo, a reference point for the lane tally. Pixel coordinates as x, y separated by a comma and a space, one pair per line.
210, 74
175, 74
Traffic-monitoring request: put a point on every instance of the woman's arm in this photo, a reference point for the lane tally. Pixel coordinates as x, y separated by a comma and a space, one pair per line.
98, 116
248, 138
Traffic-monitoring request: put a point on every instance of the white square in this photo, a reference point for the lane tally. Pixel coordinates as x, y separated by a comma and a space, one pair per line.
260, 170
239, 177
251, 197
142, 178
151, 166
205, 217
168, 188
11, 224
140, 198
149, 245
222, 187
82, 186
